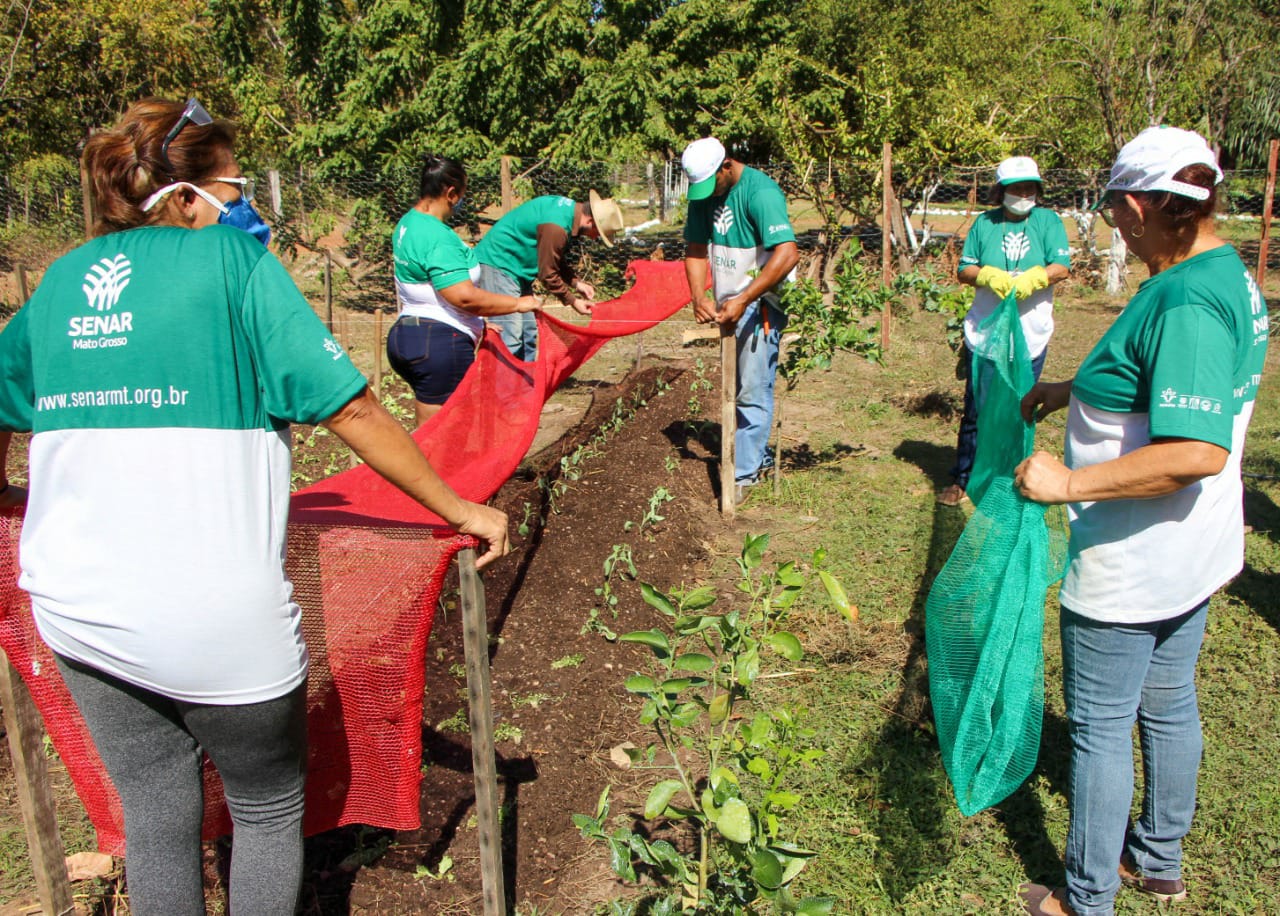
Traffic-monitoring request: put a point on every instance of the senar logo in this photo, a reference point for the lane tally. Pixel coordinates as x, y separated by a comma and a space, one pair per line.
105, 281
102, 287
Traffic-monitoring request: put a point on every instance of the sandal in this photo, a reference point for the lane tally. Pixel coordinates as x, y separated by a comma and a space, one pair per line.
1038, 900
1166, 890
953, 495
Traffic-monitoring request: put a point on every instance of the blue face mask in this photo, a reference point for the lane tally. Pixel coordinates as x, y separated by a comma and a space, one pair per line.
242, 215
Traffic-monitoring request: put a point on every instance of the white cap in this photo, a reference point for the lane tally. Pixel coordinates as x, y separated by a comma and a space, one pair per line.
1016, 169
700, 161
1149, 161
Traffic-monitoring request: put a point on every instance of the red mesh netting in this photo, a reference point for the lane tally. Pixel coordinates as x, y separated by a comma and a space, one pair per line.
367, 564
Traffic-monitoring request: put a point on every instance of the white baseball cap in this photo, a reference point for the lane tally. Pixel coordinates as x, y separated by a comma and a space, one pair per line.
700, 161
1016, 169
1149, 161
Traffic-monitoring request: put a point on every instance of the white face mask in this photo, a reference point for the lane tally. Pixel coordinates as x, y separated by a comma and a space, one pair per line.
1018, 206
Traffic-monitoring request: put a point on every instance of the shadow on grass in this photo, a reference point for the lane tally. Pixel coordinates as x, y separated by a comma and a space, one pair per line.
914, 788
913, 795
1259, 588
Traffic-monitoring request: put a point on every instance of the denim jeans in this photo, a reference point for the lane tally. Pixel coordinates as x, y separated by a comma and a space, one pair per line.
967, 443
757, 370
1114, 674
519, 330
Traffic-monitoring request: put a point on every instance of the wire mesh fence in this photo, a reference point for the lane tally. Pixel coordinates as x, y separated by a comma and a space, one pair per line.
334, 231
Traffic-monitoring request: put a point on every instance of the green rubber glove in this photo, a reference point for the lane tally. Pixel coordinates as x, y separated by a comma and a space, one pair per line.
997, 280
1029, 281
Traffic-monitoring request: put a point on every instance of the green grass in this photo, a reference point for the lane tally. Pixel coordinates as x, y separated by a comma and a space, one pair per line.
880, 811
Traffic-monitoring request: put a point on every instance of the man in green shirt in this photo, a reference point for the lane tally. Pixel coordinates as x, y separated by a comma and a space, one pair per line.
532, 243
738, 229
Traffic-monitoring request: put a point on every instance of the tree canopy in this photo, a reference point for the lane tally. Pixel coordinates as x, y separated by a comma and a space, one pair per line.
370, 84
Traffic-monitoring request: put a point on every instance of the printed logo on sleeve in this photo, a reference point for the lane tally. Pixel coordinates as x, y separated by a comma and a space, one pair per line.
332, 346
102, 287
1171, 398
1258, 309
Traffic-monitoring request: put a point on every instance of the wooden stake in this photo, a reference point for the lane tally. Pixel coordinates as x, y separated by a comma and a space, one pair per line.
328, 289
39, 816
1267, 201
508, 191
475, 644
86, 204
377, 352
728, 415
886, 241
23, 291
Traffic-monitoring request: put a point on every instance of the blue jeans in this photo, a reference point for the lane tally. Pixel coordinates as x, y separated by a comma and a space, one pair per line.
757, 370
967, 443
430, 355
1114, 674
519, 330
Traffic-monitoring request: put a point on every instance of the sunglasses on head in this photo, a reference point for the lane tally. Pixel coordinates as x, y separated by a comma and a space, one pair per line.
195, 114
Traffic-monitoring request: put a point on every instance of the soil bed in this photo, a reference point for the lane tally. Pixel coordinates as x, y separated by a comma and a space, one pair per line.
559, 704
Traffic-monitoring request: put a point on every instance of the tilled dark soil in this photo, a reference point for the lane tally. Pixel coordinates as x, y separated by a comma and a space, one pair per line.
559, 703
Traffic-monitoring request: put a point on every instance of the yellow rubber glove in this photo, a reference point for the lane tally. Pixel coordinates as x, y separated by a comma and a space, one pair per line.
997, 280
1029, 281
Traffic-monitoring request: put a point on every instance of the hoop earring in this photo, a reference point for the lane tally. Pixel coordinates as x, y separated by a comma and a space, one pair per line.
1138, 231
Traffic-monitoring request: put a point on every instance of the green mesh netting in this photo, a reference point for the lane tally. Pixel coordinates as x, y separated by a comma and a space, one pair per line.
984, 619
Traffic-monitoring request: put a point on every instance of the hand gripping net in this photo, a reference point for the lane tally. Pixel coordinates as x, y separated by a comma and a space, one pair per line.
984, 618
367, 565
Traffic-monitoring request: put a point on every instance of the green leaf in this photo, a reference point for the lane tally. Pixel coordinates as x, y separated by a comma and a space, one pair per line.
815, 906
620, 860
660, 796
656, 599
674, 686
641, 684
753, 549
786, 645
784, 800
685, 715
788, 576
734, 822
697, 599
835, 591
766, 870
692, 661
718, 708
722, 776
686, 626
654, 639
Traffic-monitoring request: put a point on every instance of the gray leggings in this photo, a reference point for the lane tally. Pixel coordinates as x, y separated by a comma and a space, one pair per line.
151, 746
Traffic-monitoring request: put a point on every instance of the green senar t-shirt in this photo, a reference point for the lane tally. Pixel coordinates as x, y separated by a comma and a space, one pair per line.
1164, 355
427, 251
741, 229
158, 368
512, 244
1016, 245
168, 327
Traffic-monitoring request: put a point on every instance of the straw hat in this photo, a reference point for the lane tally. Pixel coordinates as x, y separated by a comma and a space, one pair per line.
607, 216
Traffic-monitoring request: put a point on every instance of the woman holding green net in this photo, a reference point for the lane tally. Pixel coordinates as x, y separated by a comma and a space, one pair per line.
1156, 423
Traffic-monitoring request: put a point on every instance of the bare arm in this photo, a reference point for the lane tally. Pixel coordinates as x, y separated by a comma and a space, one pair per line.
969, 276
782, 259
696, 267
466, 295
1044, 398
1057, 273
1163, 467
376, 437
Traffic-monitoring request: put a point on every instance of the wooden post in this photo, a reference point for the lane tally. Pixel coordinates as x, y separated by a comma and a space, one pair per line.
377, 352
273, 185
886, 240
1267, 201
86, 204
328, 290
23, 291
508, 192
777, 445
728, 415
475, 644
39, 817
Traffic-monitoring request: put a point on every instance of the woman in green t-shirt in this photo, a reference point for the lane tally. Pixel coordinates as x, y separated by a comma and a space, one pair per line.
442, 310
1157, 415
